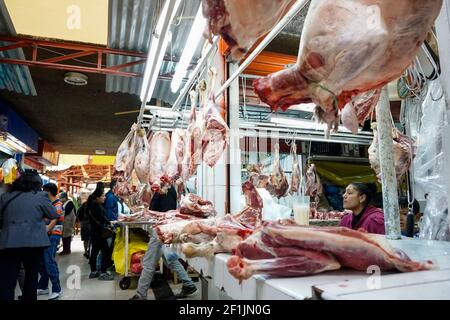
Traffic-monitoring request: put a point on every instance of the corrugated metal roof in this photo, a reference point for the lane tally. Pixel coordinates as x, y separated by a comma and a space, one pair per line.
13, 77
130, 25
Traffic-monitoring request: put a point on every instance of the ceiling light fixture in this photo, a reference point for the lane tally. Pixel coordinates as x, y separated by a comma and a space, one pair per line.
192, 42
158, 49
76, 79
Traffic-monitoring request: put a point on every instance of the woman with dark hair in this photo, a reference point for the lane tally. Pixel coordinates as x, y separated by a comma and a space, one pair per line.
358, 198
23, 234
98, 222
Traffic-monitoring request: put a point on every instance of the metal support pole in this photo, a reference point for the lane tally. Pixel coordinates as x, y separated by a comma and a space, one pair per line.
295, 9
388, 176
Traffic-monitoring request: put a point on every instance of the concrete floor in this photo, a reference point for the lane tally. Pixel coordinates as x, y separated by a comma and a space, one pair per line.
74, 276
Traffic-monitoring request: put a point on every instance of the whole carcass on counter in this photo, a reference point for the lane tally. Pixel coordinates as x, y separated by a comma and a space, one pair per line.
347, 48
286, 249
202, 238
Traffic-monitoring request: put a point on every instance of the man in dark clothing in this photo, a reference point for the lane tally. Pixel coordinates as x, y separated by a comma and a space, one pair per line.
69, 222
156, 250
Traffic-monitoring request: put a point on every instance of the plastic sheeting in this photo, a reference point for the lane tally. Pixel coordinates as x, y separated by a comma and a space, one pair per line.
430, 165
136, 244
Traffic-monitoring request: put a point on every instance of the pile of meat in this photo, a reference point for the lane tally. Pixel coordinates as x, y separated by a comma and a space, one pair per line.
327, 215
192, 207
205, 237
403, 151
286, 249
348, 50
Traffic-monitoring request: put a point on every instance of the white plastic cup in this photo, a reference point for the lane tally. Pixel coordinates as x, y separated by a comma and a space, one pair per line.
301, 210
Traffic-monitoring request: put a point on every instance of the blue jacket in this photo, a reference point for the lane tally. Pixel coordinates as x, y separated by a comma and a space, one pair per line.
111, 206
22, 223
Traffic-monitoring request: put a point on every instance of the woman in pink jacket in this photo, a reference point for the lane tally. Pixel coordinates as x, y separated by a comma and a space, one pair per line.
357, 198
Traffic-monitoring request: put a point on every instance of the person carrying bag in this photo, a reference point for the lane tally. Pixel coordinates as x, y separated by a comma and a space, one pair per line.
101, 230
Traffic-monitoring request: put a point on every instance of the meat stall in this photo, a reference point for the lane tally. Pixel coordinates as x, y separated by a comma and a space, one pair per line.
236, 153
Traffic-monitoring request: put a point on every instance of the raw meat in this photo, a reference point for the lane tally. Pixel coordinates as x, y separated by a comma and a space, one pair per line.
313, 184
354, 249
242, 23
142, 160
194, 205
192, 143
174, 163
403, 150
159, 154
278, 184
357, 111
257, 177
331, 119
349, 47
215, 131
286, 249
230, 230
349, 118
126, 153
296, 175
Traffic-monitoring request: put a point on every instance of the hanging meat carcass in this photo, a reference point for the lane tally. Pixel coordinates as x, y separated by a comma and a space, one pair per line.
215, 133
359, 109
142, 160
296, 175
278, 184
349, 47
159, 154
256, 176
403, 150
192, 142
175, 161
313, 184
242, 23
286, 249
126, 153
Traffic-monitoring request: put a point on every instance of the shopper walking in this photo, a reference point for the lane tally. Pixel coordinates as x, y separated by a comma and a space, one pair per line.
49, 267
23, 234
85, 228
156, 250
99, 225
69, 222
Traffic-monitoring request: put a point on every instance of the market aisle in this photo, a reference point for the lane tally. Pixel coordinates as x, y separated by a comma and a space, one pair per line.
74, 272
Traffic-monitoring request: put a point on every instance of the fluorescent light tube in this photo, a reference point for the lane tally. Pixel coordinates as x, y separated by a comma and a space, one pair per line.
192, 43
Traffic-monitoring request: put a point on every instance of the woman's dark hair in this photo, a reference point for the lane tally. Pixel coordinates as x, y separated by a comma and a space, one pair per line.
368, 189
94, 195
52, 188
28, 181
100, 186
112, 184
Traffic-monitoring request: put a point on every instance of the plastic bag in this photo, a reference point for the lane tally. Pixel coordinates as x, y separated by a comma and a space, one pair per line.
9, 169
430, 166
136, 244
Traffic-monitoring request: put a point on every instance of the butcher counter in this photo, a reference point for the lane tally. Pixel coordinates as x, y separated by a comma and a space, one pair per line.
217, 283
